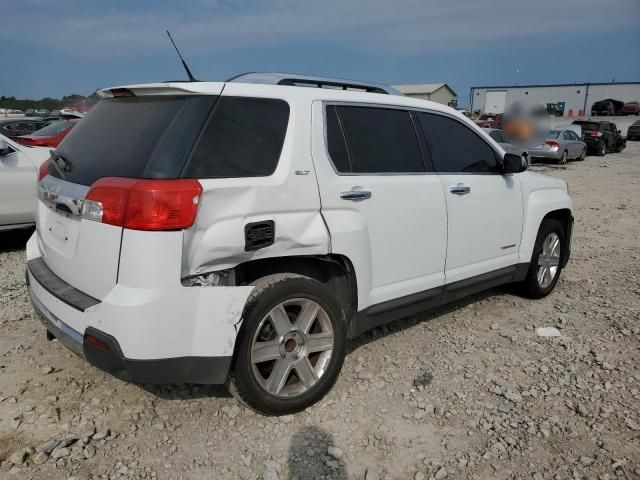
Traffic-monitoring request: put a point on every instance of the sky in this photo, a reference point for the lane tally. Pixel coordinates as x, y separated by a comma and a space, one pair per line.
57, 48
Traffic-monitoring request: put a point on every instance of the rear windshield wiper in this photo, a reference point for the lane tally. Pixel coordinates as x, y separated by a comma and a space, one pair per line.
60, 163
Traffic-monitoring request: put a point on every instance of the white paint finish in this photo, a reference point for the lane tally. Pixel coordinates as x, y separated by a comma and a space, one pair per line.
495, 101
291, 200
398, 235
481, 223
82, 252
18, 177
149, 312
541, 194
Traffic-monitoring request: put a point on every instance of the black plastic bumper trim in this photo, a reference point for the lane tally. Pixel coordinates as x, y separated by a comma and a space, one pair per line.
58, 287
204, 370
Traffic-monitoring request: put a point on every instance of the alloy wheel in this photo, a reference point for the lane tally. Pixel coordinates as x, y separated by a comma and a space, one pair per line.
292, 347
548, 260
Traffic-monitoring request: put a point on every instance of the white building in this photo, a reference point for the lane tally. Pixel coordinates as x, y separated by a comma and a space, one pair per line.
577, 97
436, 92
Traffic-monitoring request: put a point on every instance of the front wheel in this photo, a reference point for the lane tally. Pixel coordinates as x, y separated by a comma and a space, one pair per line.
291, 346
544, 269
602, 149
583, 155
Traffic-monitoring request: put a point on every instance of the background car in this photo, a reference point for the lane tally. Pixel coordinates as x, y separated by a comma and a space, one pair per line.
631, 108
601, 137
560, 145
633, 132
506, 144
49, 136
607, 107
15, 127
18, 175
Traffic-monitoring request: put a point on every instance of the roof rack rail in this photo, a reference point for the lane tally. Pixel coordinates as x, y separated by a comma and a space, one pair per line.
297, 80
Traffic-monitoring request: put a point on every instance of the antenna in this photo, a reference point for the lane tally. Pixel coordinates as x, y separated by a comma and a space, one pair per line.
184, 64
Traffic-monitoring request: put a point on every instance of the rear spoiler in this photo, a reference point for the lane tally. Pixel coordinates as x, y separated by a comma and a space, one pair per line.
170, 88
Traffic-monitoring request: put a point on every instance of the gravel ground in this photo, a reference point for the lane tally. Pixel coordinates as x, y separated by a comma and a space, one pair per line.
467, 391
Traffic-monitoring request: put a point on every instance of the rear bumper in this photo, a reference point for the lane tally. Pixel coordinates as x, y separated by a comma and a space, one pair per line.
544, 154
161, 333
593, 143
109, 357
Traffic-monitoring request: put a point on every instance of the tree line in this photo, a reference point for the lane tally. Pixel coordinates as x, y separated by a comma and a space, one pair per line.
47, 103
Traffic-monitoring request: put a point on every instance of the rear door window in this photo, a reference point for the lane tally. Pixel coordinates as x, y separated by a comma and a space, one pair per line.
243, 138
378, 140
455, 148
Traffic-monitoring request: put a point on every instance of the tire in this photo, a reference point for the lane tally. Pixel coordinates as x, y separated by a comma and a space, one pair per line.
274, 386
602, 150
582, 155
531, 286
563, 158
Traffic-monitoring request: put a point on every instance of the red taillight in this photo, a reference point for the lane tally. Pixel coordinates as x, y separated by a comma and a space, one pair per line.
43, 171
552, 144
593, 133
96, 342
143, 204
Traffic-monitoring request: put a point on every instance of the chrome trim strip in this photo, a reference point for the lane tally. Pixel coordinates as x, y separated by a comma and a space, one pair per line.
62, 195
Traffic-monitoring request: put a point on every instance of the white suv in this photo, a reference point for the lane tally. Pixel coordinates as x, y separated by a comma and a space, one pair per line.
242, 232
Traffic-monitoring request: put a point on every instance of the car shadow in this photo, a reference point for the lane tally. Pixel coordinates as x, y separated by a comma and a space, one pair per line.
308, 457
14, 240
396, 326
187, 391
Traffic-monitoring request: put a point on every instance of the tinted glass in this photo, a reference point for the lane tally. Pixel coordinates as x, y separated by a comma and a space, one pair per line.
497, 136
587, 125
53, 129
553, 134
335, 142
140, 137
243, 138
567, 135
455, 147
381, 140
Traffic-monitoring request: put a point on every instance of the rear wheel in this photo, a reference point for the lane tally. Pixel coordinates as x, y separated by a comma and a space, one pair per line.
563, 158
544, 269
602, 149
291, 345
583, 154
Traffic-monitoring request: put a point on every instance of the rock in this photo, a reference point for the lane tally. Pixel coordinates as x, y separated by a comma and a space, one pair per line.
582, 410
418, 476
440, 474
40, 457
548, 332
335, 452
423, 379
47, 370
365, 375
60, 453
102, 435
47, 447
158, 425
233, 411
631, 424
19, 457
371, 474
89, 451
86, 434
495, 326
513, 396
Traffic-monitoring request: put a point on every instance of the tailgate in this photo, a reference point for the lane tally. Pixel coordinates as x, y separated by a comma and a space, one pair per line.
83, 253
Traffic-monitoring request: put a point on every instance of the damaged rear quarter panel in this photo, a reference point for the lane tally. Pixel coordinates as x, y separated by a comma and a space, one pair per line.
289, 197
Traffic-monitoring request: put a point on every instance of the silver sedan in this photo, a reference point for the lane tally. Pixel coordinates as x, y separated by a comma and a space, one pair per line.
559, 144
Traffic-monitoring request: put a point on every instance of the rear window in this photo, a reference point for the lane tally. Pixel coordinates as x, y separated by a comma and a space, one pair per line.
588, 125
139, 137
53, 129
553, 134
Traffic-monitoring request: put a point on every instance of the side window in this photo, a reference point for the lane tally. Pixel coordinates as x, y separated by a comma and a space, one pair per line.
567, 135
455, 147
380, 140
243, 138
336, 143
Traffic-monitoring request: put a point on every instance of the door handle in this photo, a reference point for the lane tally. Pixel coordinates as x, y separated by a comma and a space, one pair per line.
460, 189
355, 195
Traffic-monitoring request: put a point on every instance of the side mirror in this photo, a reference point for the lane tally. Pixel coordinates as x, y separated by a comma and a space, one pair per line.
512, 163
4, 148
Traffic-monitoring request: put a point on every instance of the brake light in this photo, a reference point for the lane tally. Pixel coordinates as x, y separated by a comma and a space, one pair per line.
552, 145
595, 134
143, 204
43, 171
